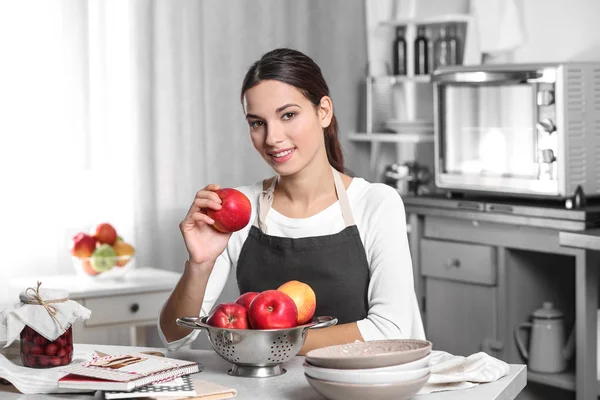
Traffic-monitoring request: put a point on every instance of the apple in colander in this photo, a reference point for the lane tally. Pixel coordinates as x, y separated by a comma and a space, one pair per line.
229, 315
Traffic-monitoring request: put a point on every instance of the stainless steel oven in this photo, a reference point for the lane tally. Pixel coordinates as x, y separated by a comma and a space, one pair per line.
519, 130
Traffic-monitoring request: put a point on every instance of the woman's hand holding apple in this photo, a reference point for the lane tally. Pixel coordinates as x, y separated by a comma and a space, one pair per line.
204, 243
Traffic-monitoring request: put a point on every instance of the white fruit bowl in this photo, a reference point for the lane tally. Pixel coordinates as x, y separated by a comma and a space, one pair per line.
84, 267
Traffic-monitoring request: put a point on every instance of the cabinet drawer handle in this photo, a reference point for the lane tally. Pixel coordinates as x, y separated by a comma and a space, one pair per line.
134, 307
453, 263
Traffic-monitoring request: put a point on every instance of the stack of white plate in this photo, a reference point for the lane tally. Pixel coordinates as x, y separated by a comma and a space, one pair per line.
376, 370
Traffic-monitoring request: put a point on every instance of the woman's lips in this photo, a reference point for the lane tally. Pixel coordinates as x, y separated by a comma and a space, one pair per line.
282, 156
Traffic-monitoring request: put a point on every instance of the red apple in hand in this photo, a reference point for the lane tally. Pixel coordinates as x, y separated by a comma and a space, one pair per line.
234, 213
105, 233
83, 245
246, 299
272, 309
229, 315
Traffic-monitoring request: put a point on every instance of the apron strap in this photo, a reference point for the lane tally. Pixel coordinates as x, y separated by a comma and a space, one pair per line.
343, 198
265, 201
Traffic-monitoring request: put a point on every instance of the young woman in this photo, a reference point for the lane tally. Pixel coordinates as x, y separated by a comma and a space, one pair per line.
311, 222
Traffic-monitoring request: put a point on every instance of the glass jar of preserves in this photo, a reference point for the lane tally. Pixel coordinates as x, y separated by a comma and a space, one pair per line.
39, 352
42, 320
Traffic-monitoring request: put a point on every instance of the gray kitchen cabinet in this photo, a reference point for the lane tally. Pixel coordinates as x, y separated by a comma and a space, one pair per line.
482, 267
460, 317
461, 304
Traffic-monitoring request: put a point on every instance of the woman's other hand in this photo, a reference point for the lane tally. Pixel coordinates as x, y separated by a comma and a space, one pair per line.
203, 242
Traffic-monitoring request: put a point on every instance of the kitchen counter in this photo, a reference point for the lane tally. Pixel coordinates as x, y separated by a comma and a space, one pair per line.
523, 212
291, 385
496, 260
587, 240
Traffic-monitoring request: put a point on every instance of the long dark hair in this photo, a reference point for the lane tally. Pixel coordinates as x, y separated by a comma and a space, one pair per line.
297, 69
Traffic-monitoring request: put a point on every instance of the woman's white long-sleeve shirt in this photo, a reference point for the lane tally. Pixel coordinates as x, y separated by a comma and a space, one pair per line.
379, 215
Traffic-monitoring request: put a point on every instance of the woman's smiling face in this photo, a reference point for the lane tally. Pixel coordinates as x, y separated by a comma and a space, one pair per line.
285, 127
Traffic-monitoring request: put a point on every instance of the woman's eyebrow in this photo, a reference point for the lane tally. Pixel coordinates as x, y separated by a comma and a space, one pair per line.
280, 109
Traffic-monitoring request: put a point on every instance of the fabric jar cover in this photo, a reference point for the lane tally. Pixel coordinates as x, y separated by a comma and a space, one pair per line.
48, 311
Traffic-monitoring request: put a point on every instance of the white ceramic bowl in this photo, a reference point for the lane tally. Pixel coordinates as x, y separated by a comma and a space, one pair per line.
371, 354
364, 376
409, 366
348, 391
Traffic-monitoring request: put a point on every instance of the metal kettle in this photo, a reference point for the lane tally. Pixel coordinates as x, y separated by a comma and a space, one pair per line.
547, 349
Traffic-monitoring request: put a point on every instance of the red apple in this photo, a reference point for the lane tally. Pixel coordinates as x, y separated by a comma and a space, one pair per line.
105, 233
246, 298
229, 315
83, 245
234, 213
272, 309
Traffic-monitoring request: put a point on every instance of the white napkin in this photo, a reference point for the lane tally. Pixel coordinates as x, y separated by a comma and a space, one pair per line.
14, 318
35, 380
450, 372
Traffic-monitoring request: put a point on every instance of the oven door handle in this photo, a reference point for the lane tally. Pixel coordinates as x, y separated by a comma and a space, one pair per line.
485, 76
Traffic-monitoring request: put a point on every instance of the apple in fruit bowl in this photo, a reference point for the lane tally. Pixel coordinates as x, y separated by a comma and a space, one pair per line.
105, 233
83, 245
229, 315
246, 298
234, 213
304, 297
272, 309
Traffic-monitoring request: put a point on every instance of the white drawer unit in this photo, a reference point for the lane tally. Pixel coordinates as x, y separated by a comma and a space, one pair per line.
125, 309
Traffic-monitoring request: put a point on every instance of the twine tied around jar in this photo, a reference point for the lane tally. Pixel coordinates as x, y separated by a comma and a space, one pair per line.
36, 299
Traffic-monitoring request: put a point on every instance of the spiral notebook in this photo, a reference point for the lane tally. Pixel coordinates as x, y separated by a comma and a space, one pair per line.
125, 372
180, 387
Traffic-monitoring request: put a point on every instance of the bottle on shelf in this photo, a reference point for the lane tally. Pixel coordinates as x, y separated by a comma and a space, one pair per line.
399, 52
453, 45
421, 52
446, 47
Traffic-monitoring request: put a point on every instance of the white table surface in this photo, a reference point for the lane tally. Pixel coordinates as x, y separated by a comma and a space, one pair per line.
291, 385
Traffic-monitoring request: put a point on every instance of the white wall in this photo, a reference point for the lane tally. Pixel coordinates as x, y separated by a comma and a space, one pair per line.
560, 30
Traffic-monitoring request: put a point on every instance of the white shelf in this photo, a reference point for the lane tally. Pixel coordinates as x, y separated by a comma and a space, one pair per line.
394, 79
438, 19
565, 380
391, 137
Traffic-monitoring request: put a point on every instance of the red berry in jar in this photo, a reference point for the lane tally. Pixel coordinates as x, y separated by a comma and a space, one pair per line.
39, 352
35, 349
51, 349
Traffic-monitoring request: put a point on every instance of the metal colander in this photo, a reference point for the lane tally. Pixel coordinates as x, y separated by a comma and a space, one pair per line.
256, 352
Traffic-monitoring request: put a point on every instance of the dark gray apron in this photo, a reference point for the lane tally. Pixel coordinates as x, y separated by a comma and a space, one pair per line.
335, 266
